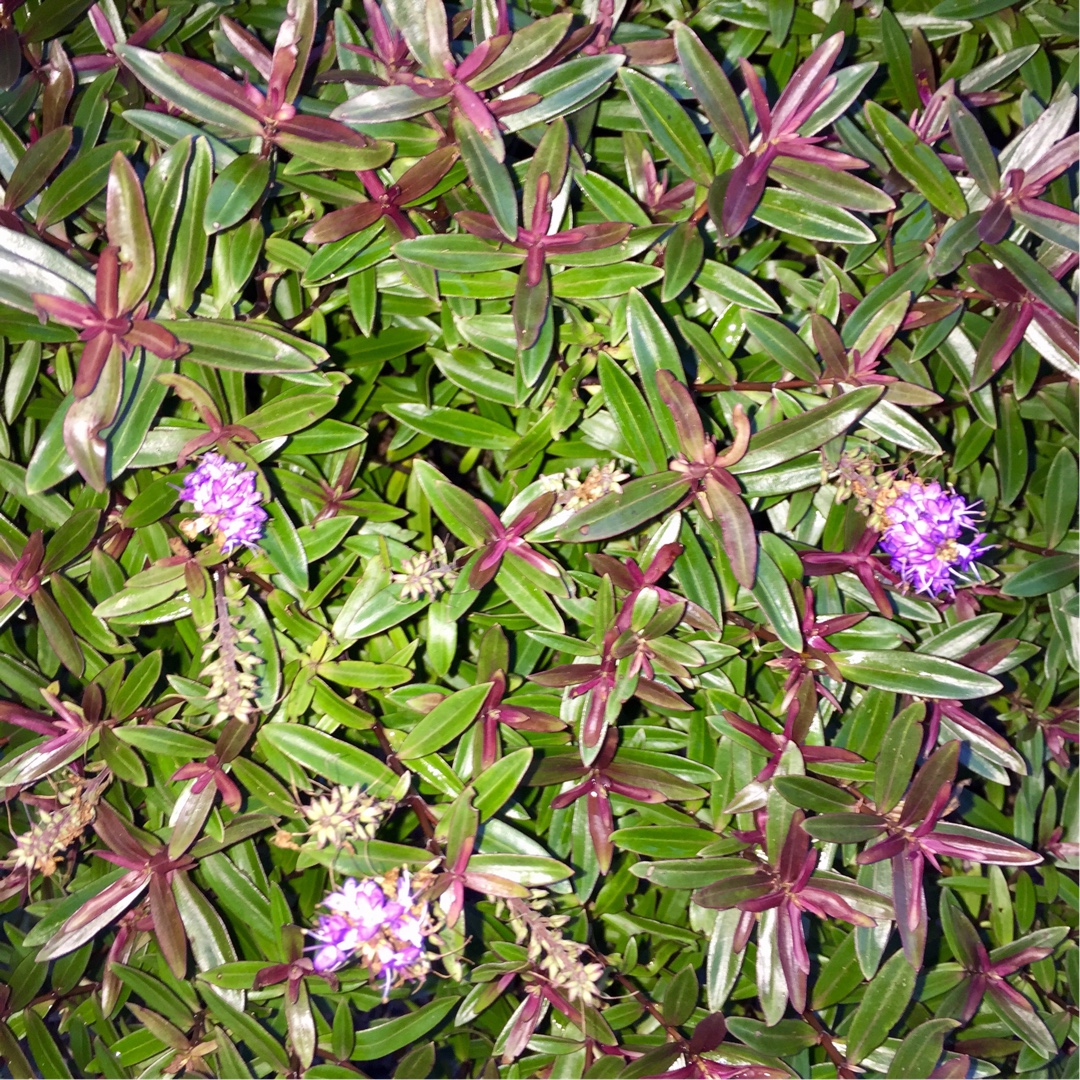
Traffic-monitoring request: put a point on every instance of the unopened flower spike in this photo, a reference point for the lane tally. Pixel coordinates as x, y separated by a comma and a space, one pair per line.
227, 500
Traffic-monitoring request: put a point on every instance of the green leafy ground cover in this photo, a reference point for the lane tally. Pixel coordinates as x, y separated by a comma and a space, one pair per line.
576, 359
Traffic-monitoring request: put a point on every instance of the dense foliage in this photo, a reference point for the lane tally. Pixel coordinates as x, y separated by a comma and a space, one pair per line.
538, 540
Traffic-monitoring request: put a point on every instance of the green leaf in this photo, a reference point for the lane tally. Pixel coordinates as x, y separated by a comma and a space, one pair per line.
1062, 486
50, 1061
811, 218
381, 1039
616, 513
248, 1031
335, 155
21, 375
364, 674
462, 253
27, 266
444, 723
974, 147
809, 793
497, 783
454, 426
683, 253
772, 593
246, 347
532, 871
129, 231
900, 427
51, 462
163, 740
917, 162
914, 673
842, 188
885, 1001
670, 127
562, 89
235, 191
653, 348
1011, 449
735, 287
529, 45
631, 415
661, 841
791, 438
1024, 1022
592, 282
919, 1052
1047, 575
490, 178
898, 56
336, 760
610, 199
526, 588
899, 752
680, 998
783, 345
35, 166
187, 255
785, 1038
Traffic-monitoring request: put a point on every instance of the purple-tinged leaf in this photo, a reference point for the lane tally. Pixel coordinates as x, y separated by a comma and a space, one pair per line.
733, 890
1021, 1018
936, 774
711, 87
977, 845
737, 528
95, 915
962, 937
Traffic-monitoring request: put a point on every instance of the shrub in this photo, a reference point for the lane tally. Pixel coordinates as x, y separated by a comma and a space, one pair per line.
534, 537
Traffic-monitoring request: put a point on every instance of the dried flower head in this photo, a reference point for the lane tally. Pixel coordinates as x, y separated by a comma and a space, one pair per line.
922, 534
427, 573
379, 921
343, 815
226, 498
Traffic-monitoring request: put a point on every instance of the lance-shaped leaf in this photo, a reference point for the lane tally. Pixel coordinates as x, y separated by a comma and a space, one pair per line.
214, 98
791, 438
129, 231
711, 87
910, 673
97, 913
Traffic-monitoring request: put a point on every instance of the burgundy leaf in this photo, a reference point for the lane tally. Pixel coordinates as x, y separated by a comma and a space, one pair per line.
345, 222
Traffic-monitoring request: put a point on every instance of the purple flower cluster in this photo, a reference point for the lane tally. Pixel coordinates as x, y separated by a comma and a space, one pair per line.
227, 501
377, 921
922, 536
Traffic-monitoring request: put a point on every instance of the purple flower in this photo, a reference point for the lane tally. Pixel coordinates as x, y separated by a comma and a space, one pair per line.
227, 501
922, 536
377, 921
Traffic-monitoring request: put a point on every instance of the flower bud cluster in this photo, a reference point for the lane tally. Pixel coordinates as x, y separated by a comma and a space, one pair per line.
556, 957
343, 815
576, 493
428, 573
55, 831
